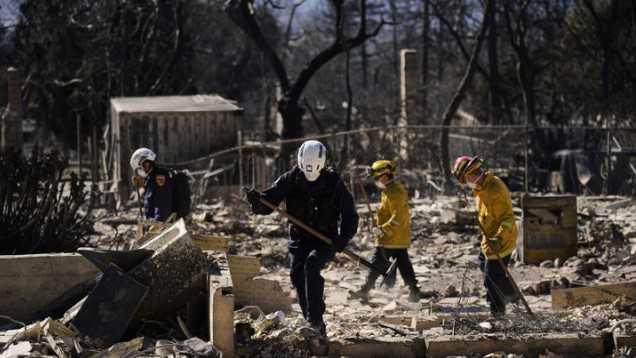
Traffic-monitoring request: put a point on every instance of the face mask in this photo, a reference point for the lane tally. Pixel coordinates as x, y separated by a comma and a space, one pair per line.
141, 172
379, 184
311, 176
471, 185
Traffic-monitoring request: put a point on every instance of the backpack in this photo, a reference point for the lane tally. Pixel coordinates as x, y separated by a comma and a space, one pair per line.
181, 197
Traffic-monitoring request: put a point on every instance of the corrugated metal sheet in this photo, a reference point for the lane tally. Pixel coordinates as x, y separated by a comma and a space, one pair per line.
194, 103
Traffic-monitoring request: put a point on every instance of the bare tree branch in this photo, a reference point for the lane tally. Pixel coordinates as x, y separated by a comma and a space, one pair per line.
314, 116
288, 30
242, 13
460, 93
339, 46
458, 40
273, 4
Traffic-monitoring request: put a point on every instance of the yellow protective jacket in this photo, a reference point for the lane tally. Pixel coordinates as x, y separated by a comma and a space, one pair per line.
496, 217
394, 217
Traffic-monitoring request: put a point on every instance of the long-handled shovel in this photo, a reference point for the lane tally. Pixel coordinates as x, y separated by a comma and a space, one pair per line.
140, 222
352, 255
509, 277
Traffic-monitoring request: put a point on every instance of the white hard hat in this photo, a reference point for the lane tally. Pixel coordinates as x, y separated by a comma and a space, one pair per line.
141, 155
312, 156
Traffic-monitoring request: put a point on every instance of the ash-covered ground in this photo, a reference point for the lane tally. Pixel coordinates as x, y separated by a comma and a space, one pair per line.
444, 255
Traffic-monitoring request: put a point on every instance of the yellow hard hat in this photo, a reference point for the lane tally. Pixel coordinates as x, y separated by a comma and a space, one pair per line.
381, 167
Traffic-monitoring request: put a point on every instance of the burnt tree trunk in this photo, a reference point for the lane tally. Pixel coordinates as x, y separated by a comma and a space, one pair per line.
426, 44
292, 114
459, 95
525, 67
494, 102
242, 13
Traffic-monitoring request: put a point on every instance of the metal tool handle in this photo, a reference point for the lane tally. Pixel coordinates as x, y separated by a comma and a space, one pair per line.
141, 212
317, 234
509, 276
514, 285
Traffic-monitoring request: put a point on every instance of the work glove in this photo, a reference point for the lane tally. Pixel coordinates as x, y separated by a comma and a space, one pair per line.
152, 227
137, 181
377, 232
338, 244
493, 244
253, 196
155, 228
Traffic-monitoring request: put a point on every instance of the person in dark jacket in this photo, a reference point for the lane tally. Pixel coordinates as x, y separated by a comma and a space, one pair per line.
157, 183
318, 197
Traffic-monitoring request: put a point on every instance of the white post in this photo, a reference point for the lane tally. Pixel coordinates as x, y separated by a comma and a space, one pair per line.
408, 96
221, 320
239, 135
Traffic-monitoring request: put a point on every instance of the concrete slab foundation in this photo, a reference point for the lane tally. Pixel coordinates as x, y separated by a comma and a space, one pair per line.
30, 282
530, 345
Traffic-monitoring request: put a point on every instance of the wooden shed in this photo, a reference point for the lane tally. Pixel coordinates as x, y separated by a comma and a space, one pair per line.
177, 128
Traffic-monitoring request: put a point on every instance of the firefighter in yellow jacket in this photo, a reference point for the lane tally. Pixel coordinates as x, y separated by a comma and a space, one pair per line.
392, 230
498, 226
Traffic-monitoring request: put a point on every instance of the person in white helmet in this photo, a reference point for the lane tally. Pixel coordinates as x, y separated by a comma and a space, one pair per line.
318, 197
157, 183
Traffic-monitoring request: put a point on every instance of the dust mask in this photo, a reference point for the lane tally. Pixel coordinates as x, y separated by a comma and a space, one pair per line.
141, 172
379, 184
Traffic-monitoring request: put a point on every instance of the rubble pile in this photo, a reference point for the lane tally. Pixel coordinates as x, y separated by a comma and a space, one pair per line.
53, 338
272, 335
444, 255
136, 289
606, 229
588, 320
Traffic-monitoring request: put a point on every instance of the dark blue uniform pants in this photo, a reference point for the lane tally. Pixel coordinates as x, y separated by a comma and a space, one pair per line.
306, 263
381, 261
498, 287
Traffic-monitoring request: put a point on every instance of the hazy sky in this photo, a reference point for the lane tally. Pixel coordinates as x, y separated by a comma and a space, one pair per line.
8, 11
306, 8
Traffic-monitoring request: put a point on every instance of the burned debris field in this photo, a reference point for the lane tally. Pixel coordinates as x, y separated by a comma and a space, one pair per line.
317, 178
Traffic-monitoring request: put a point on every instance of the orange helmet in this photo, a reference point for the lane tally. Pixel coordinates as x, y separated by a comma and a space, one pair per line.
465, 165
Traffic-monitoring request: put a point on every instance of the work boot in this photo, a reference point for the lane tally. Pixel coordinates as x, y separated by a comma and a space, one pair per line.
513, 298
319, 327
497, 311
316, 338
414, 294
362, 294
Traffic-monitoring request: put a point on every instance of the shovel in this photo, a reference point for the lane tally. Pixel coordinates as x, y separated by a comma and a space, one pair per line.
352, 255
140, 224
